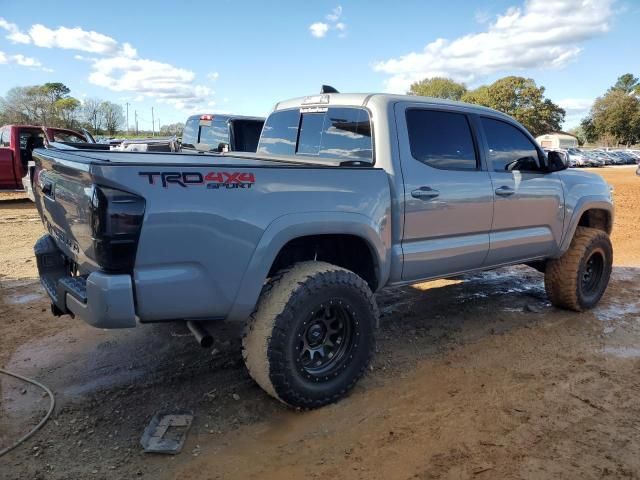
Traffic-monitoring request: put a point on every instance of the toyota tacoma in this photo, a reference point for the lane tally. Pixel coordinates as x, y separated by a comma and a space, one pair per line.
346, 194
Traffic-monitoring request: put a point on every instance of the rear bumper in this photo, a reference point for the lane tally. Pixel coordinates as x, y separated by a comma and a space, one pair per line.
100, 299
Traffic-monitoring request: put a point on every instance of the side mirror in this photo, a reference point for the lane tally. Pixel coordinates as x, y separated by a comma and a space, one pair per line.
557, 161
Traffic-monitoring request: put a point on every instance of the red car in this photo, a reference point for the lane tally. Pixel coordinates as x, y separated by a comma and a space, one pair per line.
16, 146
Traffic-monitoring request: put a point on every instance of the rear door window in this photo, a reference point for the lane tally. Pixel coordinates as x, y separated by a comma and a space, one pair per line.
441, 139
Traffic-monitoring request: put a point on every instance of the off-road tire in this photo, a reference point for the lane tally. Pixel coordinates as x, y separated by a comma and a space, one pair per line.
564, 276
288, 303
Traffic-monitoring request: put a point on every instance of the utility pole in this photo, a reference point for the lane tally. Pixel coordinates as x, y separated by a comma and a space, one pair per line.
136, 115
158, 125
127, 117
153, 124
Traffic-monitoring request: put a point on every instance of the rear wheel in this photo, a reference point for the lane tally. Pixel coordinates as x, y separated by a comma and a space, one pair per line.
578, 279
311, 337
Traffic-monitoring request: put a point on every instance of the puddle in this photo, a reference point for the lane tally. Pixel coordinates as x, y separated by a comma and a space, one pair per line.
22, 299
623, 352
607, 313
17, 283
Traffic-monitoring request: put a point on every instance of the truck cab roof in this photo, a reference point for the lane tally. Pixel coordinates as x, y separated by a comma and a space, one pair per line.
381, 100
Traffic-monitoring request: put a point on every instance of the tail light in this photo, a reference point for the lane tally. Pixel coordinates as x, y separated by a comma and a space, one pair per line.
116, 220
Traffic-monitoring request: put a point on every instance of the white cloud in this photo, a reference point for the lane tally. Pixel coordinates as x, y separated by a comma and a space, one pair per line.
67, 38
213, 76
23, 61
541, 34
482, 16
319, 29
576, 109
114, 65
76, 39
576, 105
26, 61
161, 81
335, 14
15, 35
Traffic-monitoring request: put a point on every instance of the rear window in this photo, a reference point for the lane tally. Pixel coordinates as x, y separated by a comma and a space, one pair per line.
68, 137
342, 133
213, 134
246, 134
280, 133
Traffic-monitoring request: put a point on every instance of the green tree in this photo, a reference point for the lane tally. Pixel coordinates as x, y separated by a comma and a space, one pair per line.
578, 132
438, 87
172, 129
589, 130
67, 109
616, 115
112, 116
92, 114
26, 105
626, 83
522, 99
34, 104
479, 96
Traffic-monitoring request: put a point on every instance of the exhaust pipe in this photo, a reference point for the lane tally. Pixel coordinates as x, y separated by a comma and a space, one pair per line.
203, 337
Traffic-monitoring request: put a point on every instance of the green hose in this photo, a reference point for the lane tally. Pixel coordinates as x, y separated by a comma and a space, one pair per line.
42, 422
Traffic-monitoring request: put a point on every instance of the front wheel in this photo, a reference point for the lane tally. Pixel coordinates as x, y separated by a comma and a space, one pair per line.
311, 338
578, 279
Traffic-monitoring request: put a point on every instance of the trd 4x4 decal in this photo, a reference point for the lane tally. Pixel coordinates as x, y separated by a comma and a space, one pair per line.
213, 180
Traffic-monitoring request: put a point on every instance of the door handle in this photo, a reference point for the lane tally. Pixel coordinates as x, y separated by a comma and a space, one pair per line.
425, 193
505, 191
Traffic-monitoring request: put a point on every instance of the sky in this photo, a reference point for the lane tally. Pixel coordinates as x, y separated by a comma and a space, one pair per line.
234, 56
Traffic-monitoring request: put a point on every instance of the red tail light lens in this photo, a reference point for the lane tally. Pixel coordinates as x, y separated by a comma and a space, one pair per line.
116, 221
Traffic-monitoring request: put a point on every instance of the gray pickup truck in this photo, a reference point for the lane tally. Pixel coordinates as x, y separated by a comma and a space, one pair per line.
346, 194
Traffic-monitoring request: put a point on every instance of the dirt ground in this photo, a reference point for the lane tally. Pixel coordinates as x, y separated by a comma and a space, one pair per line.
473, 378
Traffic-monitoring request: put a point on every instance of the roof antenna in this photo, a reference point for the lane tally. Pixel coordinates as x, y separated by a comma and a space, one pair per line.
328, 89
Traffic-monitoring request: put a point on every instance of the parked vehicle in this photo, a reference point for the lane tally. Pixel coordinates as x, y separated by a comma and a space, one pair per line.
578, 158
17, 143
621, 158
601, 154
593, 158
154, 144
221, 133
346, 194
629, 157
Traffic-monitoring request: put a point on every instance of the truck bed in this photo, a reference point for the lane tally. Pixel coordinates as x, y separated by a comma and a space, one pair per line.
210, 221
